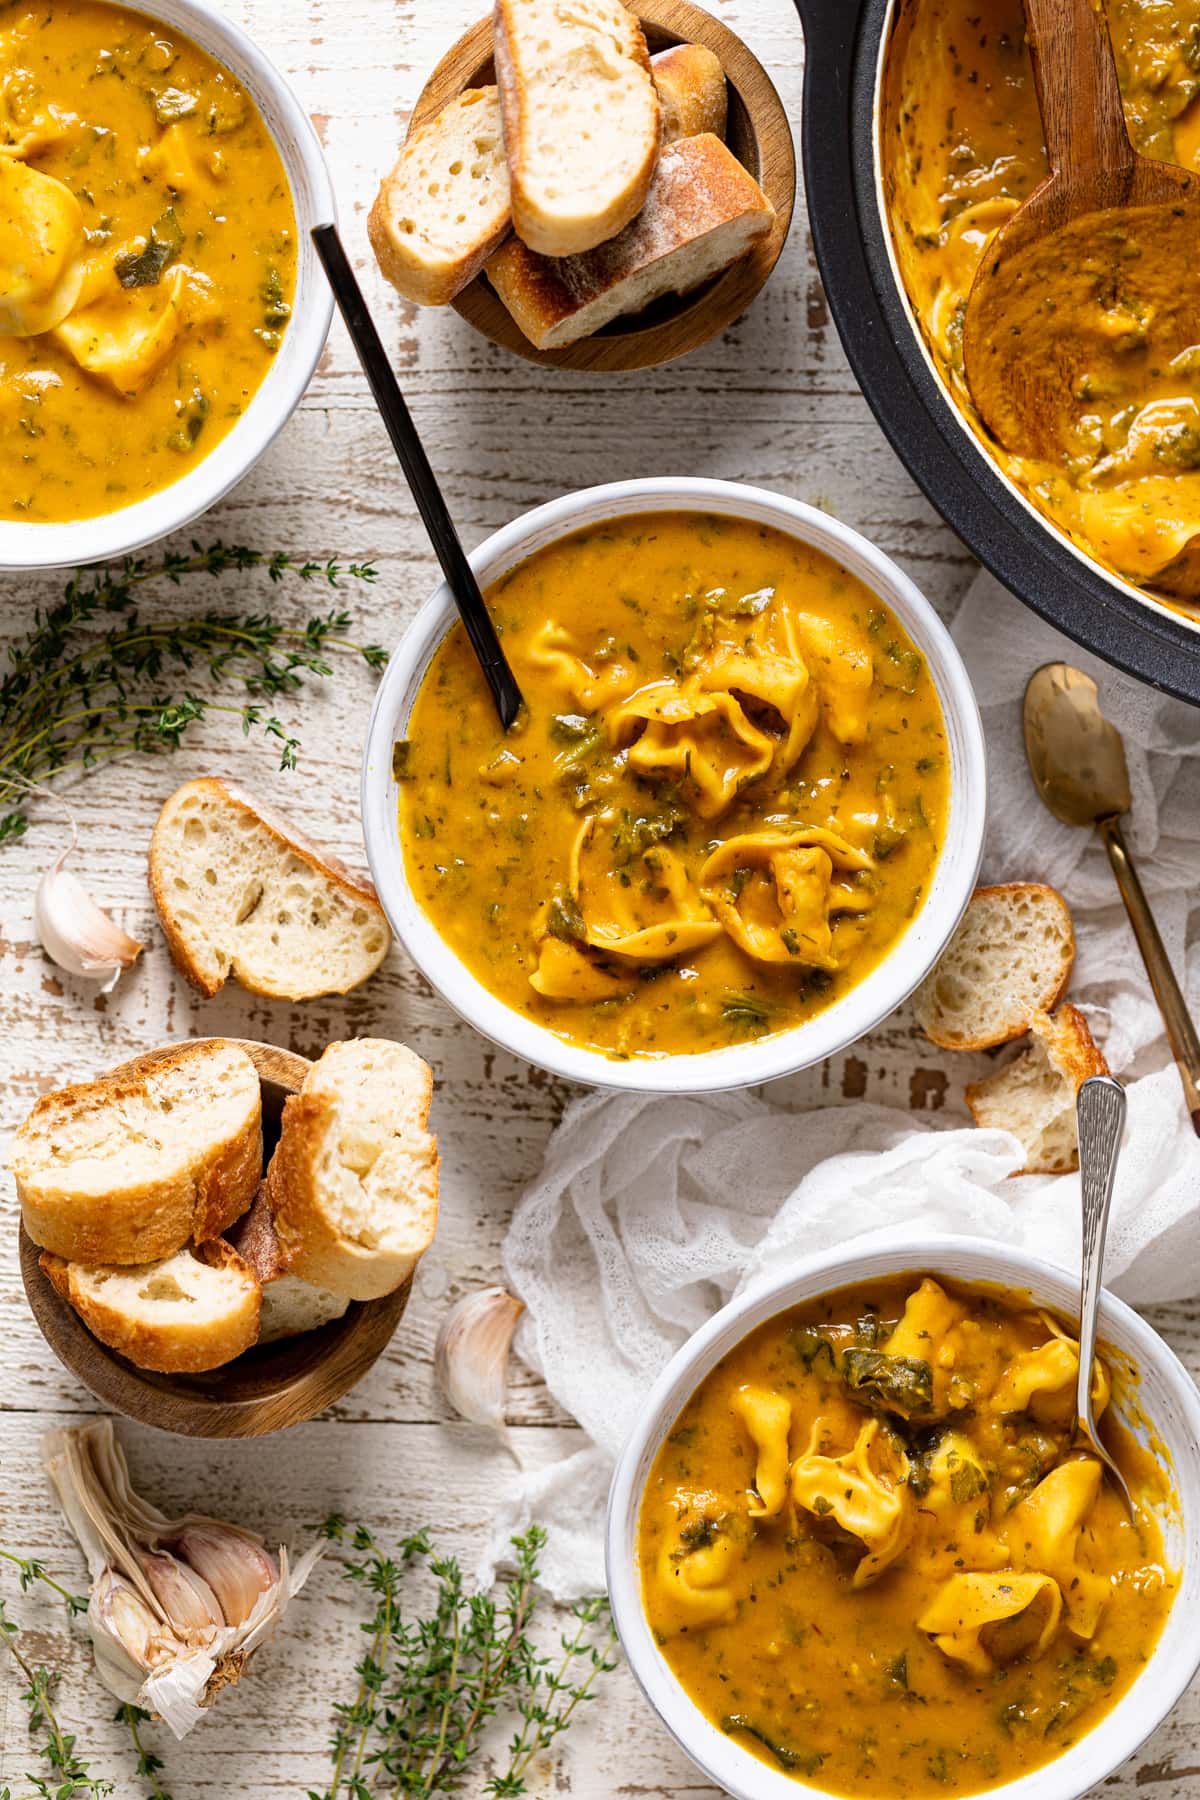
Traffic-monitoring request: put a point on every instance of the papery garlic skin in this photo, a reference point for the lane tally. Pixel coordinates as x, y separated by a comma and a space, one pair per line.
470, 1359
162, 1637
77, 934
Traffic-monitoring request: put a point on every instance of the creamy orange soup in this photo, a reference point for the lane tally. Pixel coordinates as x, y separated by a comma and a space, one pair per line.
147, 257
869, 1555
962, 147
722, 807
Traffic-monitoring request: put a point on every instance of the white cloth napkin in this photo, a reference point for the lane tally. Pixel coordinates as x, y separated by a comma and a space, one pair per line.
651, 1213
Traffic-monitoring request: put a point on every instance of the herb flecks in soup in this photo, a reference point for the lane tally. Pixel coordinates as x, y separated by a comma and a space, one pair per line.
147, 257
868, 1553
723, 806
962, 147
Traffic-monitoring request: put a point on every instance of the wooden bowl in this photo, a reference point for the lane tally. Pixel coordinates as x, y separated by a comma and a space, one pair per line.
271, 1386
759, 136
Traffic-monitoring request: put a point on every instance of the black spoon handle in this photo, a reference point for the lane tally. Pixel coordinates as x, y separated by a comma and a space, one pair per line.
421, 478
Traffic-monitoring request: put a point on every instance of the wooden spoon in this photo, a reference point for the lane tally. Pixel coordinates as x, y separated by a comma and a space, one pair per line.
1097, 275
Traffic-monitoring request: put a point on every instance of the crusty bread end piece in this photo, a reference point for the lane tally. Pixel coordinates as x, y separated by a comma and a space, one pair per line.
240, 891
193, 1311
691, 86
582, 120
290, 1305
353, 1183
1011, 957
1034, 1095
128, 1170
445, 206
704, 211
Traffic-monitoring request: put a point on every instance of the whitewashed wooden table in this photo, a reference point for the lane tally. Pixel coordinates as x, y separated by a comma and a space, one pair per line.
772, 402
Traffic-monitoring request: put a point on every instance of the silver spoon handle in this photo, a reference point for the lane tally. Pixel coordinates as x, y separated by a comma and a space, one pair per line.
1100, 1114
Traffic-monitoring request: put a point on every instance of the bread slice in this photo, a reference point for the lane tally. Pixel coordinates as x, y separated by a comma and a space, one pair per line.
445, 206
290, 1306
582, 120
190, 1312
353, 1183
240, 891
1011, 957
1034, 1096
704, 211
692, 90
128, 1170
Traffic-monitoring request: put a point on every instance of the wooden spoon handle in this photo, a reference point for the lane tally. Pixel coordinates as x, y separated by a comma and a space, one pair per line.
1078, 92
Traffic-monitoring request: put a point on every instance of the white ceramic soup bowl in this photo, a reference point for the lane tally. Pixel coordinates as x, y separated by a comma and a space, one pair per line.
1165, 1394
28, 545
740, 1065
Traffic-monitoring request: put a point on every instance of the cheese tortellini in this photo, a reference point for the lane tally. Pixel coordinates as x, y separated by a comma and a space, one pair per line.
863, 1492
849, 1563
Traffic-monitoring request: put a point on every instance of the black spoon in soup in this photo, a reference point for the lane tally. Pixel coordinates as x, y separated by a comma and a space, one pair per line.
431, 504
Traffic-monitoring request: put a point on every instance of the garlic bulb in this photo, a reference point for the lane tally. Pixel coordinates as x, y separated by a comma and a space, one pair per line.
470, 1359
76, 933
177, 1606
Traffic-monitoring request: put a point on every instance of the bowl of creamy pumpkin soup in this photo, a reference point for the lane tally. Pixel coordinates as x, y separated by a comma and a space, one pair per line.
161, 308
741, 812
852, 1548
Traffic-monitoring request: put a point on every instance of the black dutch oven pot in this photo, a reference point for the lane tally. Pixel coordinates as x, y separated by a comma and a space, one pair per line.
842, 42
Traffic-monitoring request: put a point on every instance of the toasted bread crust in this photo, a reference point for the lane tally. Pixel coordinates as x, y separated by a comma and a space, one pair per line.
692, 88
167, 1349
312, 1245
148, 1220
287, 835
256, 1241
558, 236
1019, 1020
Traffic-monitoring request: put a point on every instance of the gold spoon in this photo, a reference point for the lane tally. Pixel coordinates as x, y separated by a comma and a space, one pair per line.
1077, 761
41, 250
1100, 1113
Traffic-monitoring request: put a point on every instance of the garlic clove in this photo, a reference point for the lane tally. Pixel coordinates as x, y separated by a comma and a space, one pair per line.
233, 1568
77, 934
470, 1360
191, 1606
126, 1637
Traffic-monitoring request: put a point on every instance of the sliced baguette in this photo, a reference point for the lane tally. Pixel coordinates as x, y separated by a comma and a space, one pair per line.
445, 206
192, 1311
290, 1306
240, 891
1034, 1095
128, 1170
692, 89
582, 120
1010, 958
353, 1184
704, 211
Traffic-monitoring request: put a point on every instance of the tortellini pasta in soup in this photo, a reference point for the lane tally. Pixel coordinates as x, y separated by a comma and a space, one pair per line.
870, 1553
722, 809
147, 257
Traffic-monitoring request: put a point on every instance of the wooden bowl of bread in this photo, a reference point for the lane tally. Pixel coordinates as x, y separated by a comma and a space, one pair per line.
219, 1237
647, 231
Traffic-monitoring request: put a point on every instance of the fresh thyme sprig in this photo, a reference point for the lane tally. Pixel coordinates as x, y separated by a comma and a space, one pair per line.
428, 1688
148, 1765
93, 678
70, 1773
